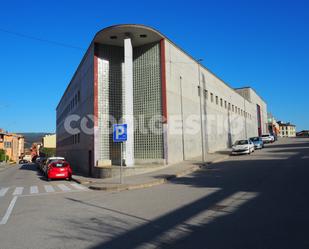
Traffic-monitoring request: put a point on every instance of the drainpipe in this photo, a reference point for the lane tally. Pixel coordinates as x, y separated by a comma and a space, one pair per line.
182, 121
245, 114
201, 108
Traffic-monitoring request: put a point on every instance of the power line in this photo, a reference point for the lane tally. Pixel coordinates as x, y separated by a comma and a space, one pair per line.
40, 39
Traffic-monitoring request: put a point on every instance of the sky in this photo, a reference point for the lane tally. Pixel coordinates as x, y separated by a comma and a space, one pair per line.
263, 44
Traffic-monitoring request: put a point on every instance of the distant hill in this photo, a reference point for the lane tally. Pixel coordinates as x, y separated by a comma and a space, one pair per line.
32, 137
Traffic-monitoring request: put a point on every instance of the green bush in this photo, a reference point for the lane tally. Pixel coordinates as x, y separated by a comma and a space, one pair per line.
2, 156
48, 152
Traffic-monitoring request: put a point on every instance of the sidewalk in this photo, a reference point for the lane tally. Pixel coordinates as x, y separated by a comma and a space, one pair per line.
4, 166
152, 178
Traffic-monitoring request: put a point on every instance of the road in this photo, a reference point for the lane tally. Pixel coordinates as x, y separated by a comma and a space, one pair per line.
254, 201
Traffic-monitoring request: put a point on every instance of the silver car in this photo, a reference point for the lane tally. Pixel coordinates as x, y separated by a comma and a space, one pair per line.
243, 147
258, 142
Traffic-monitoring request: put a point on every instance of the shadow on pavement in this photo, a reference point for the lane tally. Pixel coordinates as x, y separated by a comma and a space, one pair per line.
258, 203
34, 167
29, 166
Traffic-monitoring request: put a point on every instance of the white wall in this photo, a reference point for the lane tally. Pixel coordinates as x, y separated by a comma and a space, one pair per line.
181, 74
217, 117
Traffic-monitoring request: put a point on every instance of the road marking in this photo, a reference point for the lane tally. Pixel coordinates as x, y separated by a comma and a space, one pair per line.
34, 190
77, 186
18, 191
8, 211
3, 191
49, 188
63, 187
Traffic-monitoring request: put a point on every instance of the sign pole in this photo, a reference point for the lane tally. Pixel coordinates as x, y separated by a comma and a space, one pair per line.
120, 136
121, 178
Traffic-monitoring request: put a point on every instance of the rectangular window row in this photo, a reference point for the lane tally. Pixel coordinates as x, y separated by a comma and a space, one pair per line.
75, 100
224, 104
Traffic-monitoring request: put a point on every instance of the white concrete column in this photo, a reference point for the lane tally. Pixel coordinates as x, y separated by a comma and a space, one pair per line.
128, 100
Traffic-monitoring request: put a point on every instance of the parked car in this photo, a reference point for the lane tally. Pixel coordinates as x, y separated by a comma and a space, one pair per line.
275, 136
39, 162
59, 169
258, 142
22, 161
243, 147
267, 138
27, 158
44, 166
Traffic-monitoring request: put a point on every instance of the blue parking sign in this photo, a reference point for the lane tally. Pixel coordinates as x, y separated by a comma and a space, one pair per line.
120, 133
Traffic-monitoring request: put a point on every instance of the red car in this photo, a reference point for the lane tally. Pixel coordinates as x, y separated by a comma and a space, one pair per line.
59, 170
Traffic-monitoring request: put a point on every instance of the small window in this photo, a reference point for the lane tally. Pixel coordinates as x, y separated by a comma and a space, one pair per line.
217, 100
232, 108
212, 97
221, 102
225, 104
229, 106
205, 94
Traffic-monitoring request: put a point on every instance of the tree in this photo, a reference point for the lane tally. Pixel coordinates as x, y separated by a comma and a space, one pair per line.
48, 152
3, 156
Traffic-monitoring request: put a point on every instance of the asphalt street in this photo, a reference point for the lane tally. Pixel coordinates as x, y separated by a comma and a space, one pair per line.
258, 201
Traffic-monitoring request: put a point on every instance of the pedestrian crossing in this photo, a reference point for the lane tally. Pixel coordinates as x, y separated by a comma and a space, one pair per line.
49, 188
45, 189
18, 191
3, 191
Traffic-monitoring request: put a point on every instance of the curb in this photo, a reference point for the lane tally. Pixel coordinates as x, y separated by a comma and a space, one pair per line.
220, 159
162, 180
80, 181
145, 184
7, 166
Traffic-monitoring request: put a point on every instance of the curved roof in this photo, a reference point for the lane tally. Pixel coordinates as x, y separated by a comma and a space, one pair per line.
139, 34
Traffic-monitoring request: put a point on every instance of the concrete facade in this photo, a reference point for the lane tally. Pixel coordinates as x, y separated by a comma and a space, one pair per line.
198, 112
78, 102
227, 114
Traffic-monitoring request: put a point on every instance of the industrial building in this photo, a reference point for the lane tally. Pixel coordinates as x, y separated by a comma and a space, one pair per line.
175, 108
